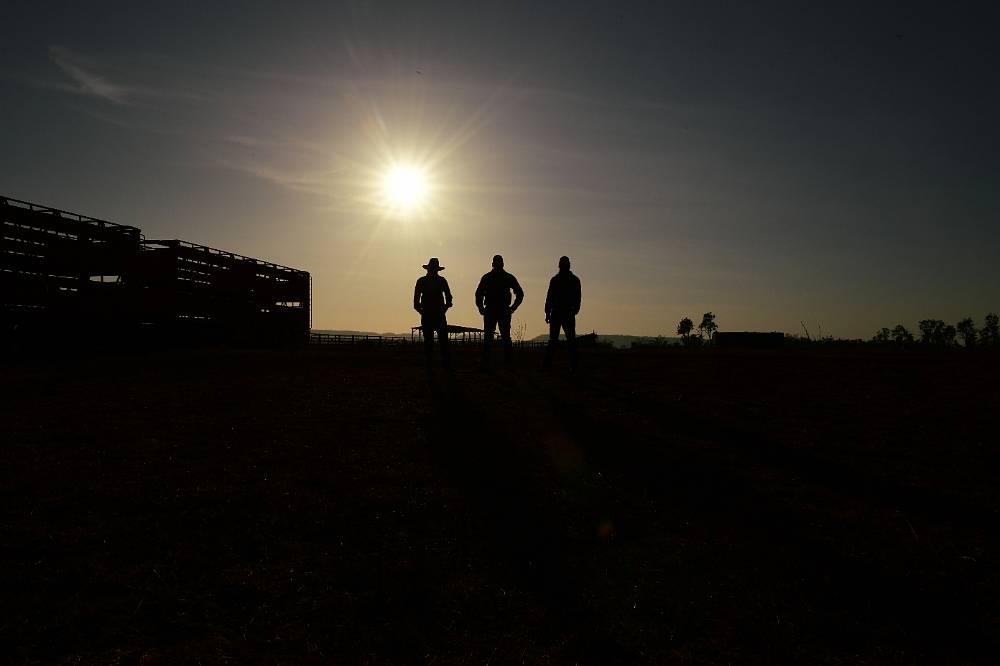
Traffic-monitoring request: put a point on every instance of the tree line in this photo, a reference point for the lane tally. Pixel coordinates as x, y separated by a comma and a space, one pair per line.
694, 336
936, 333
932, 332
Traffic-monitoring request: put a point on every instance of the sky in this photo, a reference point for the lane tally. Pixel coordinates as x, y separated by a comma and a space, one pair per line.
834, 165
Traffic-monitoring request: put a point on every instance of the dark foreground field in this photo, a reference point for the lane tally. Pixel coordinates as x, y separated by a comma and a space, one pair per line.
335, 506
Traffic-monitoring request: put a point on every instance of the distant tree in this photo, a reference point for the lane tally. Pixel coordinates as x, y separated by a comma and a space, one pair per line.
989, 336
517, 333
931, 331
901, 336
708, 327
883, 336
967, 330
684, 327
948, 336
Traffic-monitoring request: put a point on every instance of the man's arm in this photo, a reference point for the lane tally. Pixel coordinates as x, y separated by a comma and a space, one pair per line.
447, 294
518, 293
480, 293
416, 297
577, 296
548, 302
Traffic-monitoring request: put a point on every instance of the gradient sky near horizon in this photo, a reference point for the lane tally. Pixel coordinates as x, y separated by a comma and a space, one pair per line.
770, 162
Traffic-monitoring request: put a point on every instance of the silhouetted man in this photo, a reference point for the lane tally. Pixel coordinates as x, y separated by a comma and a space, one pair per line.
431, 298
562, 304
493, 301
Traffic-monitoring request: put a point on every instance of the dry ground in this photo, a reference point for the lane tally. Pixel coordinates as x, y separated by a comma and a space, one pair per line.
339, 506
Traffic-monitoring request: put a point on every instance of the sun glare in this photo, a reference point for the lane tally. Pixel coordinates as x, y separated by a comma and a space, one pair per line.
405, 188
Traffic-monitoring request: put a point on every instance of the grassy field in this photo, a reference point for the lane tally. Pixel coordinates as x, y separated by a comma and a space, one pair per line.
340, 506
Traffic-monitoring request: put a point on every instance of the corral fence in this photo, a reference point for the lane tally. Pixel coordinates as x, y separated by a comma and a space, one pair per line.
62, 270
359, 339
204, 292
71, 279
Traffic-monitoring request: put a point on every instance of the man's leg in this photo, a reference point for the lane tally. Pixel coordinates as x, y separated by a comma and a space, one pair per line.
553, 340
489, 324
504, 320
443, 341
569, 325
427, 330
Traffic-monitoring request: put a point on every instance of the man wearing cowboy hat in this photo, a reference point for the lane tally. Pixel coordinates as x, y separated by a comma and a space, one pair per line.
493, 301
431, 298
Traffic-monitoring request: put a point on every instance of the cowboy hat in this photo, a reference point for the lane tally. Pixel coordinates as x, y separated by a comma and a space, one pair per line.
434, 265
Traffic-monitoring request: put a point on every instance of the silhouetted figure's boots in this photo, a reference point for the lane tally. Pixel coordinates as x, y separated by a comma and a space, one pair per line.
432, 324
432, 298
488, 331
569, 325
550, 349
562, 303
493, 320
428, 334
493, 301
445, 347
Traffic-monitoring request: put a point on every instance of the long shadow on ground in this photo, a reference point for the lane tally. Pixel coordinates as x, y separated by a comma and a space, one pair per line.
842, 596
512, 495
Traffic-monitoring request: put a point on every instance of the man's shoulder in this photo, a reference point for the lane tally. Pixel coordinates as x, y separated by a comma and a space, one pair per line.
564, 277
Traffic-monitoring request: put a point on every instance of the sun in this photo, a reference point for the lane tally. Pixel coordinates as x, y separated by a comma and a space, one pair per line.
405, 188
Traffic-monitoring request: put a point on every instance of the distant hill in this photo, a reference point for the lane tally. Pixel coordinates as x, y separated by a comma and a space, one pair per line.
339, 332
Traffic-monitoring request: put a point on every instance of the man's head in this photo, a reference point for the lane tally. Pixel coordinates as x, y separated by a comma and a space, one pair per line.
497, 261
564, 263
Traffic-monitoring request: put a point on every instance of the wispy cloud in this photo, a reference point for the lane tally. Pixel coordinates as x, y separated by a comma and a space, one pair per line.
86, 81
310, 181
